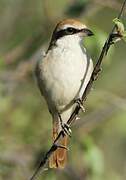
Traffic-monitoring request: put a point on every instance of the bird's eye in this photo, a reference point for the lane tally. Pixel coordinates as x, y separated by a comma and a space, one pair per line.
70, 30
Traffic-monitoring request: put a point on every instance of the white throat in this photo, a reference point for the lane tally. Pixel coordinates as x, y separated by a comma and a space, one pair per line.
70, 42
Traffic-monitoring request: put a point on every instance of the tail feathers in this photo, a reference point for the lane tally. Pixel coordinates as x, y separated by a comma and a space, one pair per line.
59, 157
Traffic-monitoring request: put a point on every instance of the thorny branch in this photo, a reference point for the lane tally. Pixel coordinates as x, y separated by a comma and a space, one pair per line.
94, 76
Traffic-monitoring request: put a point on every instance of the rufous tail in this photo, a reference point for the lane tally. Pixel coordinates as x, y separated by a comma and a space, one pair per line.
59, 157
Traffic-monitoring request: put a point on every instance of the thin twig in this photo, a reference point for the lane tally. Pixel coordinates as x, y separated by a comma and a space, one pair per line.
94, 76
97, 67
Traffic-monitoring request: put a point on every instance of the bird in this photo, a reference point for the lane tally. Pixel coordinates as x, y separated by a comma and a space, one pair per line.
62, 75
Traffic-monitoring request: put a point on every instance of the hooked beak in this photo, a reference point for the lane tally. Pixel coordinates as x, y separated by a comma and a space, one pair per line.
87, 32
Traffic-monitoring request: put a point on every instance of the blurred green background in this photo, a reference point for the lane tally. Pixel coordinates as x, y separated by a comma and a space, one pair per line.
98, 143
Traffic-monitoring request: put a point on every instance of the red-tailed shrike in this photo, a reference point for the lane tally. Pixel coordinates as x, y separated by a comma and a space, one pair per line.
62, 75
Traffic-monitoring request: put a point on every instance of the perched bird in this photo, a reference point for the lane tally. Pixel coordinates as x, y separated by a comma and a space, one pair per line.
62, 75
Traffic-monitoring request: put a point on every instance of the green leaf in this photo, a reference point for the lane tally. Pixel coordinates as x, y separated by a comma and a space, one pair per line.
119, 25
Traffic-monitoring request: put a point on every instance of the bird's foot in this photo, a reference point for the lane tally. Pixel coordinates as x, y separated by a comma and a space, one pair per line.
65, 127
80, 103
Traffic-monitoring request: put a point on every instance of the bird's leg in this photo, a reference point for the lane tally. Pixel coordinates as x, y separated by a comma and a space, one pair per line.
80, 103
65, 127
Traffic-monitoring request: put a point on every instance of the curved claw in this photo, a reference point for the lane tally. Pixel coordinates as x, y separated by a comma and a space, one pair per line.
80, 103
66, 129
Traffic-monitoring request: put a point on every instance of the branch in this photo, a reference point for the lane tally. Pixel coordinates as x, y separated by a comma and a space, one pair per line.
94, 76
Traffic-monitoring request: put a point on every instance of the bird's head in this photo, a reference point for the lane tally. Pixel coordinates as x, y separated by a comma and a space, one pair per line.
70, 29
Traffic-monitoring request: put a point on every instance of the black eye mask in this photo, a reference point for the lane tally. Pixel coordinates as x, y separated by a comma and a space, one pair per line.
71, 31
67, 31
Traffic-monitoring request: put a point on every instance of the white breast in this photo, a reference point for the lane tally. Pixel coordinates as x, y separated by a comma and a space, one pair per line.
65, 71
